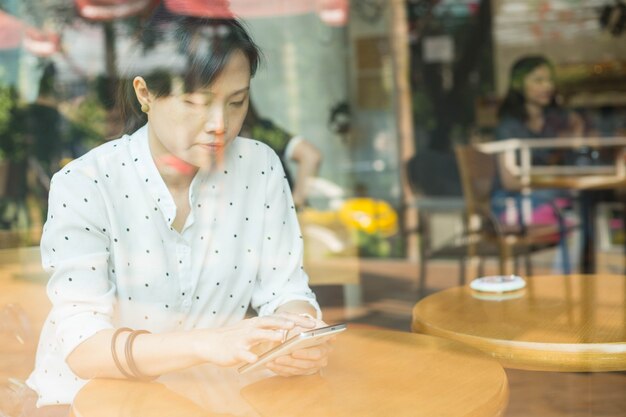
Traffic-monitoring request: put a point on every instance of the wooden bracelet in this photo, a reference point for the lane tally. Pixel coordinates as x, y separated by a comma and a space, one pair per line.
137, 374
114, 351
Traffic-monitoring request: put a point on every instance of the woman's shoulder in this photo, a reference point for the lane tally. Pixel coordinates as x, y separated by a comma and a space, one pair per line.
558, 115
103, 154
253, 148
251, 157
105, 150
509, 120
510, 127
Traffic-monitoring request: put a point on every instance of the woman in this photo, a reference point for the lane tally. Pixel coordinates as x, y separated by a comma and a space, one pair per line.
530, 110
175, 229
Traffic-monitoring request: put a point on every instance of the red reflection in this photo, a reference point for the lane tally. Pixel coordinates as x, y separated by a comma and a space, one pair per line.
218, 8
331, 12
10, 31
176, 164
103, 10
14, 33
41, 44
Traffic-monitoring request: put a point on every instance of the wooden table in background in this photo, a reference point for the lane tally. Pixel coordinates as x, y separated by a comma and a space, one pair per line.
573, 323
590, 180
371, 373
589, 187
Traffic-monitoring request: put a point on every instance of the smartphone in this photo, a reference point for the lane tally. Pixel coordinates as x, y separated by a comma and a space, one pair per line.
303, 340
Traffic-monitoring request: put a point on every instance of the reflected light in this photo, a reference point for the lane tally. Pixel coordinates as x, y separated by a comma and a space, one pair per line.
333, 12
378, 165
177, 164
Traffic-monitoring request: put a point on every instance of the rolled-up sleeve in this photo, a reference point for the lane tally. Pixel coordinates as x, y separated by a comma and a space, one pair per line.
281, 276
75, 253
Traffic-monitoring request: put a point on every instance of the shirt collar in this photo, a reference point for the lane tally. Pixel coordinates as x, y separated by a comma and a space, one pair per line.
149, 174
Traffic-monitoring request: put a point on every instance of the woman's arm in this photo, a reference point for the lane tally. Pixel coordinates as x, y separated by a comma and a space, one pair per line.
308, 158
282, 284
576, 125
156, 354
297, 307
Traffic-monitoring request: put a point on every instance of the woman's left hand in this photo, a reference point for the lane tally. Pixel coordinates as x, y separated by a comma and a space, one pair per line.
306, 361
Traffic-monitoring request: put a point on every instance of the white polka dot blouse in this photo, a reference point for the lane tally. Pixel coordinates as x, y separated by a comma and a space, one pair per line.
115, 261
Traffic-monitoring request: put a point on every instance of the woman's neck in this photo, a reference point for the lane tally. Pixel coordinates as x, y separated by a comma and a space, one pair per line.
534, 111
535, 117
172, 175
176, 173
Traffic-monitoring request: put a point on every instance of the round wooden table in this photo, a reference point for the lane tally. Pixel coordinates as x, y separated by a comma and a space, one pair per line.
371, 373
574, 323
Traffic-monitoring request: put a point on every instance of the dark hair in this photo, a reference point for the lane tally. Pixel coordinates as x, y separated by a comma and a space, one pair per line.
202, 47
46, 83
514, 101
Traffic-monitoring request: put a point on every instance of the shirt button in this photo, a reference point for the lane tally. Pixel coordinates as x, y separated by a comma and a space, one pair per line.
186, 303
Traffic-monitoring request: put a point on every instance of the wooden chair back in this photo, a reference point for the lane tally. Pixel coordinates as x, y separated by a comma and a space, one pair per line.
478, 176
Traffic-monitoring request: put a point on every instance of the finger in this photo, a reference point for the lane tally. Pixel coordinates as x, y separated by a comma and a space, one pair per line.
279, 371
274, 322
296, 331
247, 356
304, 364
257, 336
299, 320
313, 353
320, 323
290, 371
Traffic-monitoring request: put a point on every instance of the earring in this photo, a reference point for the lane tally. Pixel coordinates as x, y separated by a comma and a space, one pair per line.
145, 108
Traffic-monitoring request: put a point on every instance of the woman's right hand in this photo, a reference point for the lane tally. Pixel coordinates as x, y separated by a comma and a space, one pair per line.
232, 345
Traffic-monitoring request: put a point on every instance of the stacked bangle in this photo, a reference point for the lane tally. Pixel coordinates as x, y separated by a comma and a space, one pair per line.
114, 351
128, 352
137, 374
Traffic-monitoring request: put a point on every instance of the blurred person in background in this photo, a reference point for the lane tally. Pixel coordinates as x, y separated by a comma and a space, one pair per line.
289, 148
50, 135
530, 110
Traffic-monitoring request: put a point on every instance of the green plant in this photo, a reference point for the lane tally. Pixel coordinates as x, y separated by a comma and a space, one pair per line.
12, 145
88, 121
372, 245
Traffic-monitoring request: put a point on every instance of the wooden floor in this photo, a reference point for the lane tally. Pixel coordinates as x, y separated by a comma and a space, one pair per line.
389, 295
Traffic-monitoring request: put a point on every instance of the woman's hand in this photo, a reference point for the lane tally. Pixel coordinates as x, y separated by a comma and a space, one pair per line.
307, 361
576, 125
232, 345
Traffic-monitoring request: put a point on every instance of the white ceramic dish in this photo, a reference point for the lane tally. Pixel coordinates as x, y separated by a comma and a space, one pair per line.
498, 283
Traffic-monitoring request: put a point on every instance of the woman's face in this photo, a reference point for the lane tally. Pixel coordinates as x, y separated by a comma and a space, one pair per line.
539, 86
196, 127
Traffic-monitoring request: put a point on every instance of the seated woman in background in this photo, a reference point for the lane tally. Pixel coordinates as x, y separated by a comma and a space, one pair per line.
530, 109
158, 242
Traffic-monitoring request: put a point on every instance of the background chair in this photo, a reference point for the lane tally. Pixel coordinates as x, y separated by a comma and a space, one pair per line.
485, 231
435, 180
